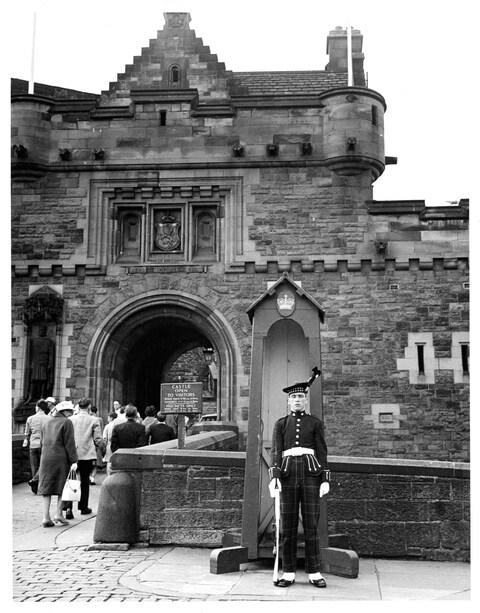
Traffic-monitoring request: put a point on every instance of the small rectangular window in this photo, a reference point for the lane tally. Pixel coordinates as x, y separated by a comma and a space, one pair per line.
421, 358
374, 115
163, 118
393, 286
385, 418
465, 349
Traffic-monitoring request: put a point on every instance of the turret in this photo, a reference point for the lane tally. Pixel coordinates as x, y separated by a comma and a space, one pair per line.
31, 129
353, 131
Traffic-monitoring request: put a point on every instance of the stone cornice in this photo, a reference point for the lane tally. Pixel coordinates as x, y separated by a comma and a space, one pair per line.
44, 268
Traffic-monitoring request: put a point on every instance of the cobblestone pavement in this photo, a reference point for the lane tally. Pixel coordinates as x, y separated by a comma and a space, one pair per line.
76, 575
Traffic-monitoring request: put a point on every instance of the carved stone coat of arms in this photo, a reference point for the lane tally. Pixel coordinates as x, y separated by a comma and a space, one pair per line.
167, 234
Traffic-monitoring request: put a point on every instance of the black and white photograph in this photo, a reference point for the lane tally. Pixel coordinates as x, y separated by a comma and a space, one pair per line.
238, 348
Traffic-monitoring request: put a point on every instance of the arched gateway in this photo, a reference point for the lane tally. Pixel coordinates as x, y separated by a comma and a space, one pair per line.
134, 347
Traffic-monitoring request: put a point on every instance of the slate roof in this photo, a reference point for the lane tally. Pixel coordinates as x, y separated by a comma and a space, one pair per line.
285, 82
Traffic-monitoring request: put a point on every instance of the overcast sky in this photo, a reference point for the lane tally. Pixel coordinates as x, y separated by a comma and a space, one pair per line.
418, 55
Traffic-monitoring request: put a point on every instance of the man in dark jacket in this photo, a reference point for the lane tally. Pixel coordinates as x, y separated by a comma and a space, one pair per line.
161, 432
130, 433
300, 476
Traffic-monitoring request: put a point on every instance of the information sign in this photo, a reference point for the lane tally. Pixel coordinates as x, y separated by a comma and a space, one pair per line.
181, 398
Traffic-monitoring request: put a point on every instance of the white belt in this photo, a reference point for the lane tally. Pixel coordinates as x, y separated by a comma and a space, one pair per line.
295, 451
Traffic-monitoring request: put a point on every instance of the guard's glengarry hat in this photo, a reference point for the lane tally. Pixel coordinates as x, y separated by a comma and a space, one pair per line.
302, 387
296, 388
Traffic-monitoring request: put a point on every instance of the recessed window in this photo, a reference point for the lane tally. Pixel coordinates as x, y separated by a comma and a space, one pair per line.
174, 76
163, 118
374, 115
465, 349
421, 358
393, 286
385, 418
466, 285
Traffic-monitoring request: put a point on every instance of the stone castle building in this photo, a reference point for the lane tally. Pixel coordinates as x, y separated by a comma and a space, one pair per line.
146, 220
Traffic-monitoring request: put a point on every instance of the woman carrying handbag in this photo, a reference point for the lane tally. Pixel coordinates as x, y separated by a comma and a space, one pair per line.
59, 454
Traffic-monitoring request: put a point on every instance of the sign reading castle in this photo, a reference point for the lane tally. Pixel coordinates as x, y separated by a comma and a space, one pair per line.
181, 398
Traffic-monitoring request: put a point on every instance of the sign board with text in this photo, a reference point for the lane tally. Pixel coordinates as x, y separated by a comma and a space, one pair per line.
181, 398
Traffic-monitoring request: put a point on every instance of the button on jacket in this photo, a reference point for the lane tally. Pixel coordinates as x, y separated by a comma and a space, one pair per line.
299, 429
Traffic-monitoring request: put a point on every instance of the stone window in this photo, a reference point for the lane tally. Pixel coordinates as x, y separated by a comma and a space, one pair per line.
174, 75
459, 361
421, 358
465, 351
385, 416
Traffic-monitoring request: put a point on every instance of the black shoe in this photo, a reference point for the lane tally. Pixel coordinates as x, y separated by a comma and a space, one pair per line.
69, 514
33, 485
86, 511
283, 583
318, 582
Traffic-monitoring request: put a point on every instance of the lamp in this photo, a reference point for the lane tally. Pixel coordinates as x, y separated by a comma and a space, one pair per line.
208, 355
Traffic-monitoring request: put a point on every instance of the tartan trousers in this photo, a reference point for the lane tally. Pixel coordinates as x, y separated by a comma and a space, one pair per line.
300, 490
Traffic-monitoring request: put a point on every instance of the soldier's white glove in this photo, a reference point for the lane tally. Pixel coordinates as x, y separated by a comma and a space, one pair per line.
74, 467
275, 488
324, 488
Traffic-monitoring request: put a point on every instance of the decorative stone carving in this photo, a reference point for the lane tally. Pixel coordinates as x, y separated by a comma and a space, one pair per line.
167, 236
45, 305
41, 364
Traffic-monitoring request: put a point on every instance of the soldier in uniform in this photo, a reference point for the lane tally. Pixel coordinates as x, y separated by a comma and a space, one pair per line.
299, 471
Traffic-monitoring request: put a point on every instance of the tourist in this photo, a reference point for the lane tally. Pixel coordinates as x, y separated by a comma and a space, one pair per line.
130, 433
98, 463
58, 455
51, 402
107, 438
87, 438
160, 431
33, 428
299, 475
150, 418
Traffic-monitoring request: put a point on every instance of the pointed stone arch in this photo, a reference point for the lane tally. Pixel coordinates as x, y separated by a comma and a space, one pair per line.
112, 340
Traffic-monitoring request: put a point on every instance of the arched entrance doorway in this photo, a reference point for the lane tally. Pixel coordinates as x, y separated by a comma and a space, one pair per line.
156, 338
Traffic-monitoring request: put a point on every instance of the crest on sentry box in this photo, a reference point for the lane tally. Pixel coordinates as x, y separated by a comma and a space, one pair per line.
286, 302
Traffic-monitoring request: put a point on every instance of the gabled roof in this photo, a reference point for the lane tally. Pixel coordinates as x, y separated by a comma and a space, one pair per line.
285, 278
285, 82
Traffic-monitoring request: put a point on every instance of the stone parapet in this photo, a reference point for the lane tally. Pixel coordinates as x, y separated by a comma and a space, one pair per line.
385, 507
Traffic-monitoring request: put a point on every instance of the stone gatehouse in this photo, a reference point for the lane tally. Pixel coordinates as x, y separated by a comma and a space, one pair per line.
148, 218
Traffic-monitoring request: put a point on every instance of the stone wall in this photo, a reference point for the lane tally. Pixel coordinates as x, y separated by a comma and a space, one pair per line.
402, 515
366, 330
386, 508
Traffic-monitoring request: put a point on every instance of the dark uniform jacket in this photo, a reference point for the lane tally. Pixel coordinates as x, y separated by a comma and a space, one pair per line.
128, 434
160, 433
299, 430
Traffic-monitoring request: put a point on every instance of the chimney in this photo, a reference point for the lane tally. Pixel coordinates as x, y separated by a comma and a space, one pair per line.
337, 53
